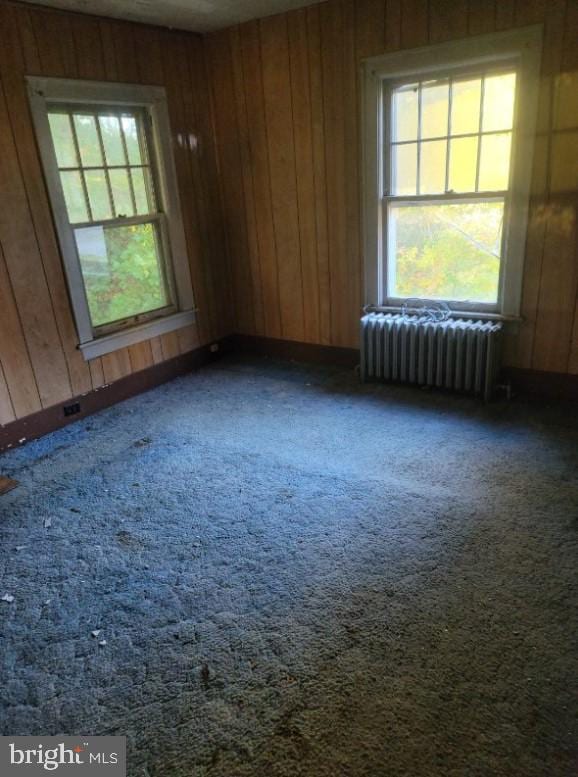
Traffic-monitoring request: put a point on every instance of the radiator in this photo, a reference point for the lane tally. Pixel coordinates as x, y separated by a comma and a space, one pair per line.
454, 354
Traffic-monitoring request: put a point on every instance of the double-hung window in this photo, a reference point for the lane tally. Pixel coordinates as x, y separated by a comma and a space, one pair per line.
449, 133
109, 170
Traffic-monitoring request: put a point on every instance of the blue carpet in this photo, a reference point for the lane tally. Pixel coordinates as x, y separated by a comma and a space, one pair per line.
298, 575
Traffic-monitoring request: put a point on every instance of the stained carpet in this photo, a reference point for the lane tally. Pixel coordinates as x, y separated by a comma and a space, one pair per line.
296, 575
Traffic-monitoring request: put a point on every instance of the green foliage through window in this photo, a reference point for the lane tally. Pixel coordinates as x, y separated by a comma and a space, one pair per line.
449, 252
121, 270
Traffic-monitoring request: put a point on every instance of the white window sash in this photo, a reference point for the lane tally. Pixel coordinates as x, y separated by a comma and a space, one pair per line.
520, 50
96, 341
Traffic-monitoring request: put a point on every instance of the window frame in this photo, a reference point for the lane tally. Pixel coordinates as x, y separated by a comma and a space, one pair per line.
44, 94
516, 50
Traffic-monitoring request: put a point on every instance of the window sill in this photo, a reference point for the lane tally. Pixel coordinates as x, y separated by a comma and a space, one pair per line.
113, 342
479, 315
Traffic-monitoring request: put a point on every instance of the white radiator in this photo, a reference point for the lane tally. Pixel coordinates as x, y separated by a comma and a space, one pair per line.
453, 354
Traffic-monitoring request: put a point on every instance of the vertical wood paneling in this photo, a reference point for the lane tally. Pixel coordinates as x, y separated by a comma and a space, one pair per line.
26, 273
123, 52
329, 41
557, 301
203, 175
567, 119
175, 69
14, 356
558, 286
392, 25
530, 11
230, 177
157, 350
447, 19
266, 128
261, 177
370, 27
352, 301
53, 34
481, 16
88, 47
40, 364
116, 365
573, 357
332, 58
217, 263
520, 345
319, 172
96, 372
505, 10
27, 38
171, 346
6, 407
414, 23
281, 145
13, 66
247, 179
302, 131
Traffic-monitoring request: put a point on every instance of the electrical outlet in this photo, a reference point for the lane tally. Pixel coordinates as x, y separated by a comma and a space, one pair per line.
71, 409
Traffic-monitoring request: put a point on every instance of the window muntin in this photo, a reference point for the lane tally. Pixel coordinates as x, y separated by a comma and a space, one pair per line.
438, 126
447, 174
107, 181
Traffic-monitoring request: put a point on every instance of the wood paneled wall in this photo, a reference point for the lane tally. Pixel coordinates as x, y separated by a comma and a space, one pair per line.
266, 131
287, 109
39, 362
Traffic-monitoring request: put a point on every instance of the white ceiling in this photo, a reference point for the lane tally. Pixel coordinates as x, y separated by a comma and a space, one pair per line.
196, 15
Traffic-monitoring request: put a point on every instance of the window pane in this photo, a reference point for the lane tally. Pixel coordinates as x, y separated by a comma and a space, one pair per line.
61, 132
142, 190
432, 169
122, 272
434, 109
74, 196
88, 142
499, 92
463, 160
98, 194
112, 141
466, 99
132, 140
404, 162
405, 113
495, 162
449, 251
121, 193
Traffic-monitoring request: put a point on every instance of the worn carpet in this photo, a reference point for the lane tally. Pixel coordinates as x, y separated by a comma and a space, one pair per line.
297, 575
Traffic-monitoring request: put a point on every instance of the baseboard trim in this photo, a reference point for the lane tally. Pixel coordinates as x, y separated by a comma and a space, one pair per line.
296, 351
549, 385
537, 383
52, 418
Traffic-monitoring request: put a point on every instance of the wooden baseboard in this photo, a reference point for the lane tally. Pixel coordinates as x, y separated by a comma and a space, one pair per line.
536, 383
51, 418
548, 385
297, 351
